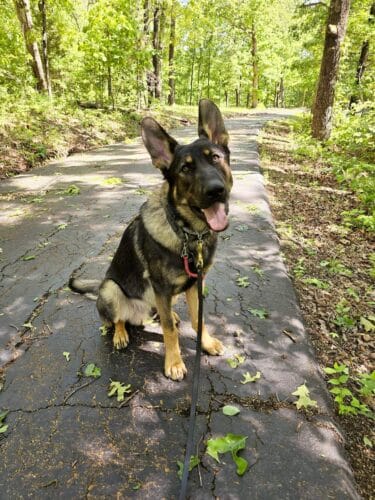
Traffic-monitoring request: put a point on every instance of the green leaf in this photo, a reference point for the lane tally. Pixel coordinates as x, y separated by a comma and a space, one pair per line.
230, 411
303, 401
367, 324
62, 226
259, 313
243, 281
112, 181
250, 378
323, 285
66, 355
230, 443
28, 325
257, 270
120, 389
367, 442
236, 360
194, 461
28, 257
72, 190
3, 427
92, 371
104, 330
3, 415
241, 464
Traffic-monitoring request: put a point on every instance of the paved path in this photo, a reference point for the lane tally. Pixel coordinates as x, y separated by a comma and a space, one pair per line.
66, 438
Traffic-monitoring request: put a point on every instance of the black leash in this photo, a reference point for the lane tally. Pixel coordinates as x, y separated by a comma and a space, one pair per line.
195, 389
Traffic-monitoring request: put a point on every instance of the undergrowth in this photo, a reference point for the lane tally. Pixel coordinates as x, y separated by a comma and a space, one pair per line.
34, 128
349, 154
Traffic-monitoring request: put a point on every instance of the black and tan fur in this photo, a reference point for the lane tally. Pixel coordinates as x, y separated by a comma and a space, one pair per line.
147, 271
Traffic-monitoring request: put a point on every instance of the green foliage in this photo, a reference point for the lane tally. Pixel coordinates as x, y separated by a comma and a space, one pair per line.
91, 370
349, 154
317, 283
348, 403
243, 281
299, 269
259, 313
119, 389
236, 361
194, 461
250, 378
343, 317
230, 411
230, 443
71, 190
367, 383
303, 395
3, 426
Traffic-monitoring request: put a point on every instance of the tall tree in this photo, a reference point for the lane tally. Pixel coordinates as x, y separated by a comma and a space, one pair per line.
45, 59
172, 43
157, 43
335, 32
254, 55
24, 15
363, 57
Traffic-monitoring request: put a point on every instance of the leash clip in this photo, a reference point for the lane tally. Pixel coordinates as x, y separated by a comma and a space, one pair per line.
200, 253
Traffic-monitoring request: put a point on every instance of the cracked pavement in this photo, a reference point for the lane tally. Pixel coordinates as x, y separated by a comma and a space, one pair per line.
66, 438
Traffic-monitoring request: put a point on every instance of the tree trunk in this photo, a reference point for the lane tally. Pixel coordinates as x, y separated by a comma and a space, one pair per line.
226, 98
281, 92
255, 82
276, 96
148, 75
25, 18
209, 68
192, 77
199, 74
325, 95
237, 97
172, 41
109, 85
45, 59
157, 43
362, 60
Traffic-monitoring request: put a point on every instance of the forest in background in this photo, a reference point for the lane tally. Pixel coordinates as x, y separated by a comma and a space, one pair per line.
88, 68
134, 53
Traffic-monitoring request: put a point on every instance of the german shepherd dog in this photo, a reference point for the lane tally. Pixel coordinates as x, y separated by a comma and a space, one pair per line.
148, 269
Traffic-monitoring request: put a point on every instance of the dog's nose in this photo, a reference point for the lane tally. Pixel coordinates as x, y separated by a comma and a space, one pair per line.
215, 191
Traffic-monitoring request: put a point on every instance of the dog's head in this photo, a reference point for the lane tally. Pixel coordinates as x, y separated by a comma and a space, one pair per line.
198, 174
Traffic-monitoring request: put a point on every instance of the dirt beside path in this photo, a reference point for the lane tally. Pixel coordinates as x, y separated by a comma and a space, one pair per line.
331, 267
65, 436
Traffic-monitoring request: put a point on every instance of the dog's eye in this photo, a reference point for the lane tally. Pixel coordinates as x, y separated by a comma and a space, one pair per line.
186, 169
215, 157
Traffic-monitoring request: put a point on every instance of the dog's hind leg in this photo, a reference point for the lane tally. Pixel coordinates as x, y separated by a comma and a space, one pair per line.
120, 337
174, 367
210, 344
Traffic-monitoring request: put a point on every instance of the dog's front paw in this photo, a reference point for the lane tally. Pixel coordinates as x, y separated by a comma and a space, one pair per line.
120, 339
175, 370
213, 346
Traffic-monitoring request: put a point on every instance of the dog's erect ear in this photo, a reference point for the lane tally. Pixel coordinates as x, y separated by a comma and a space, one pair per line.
211, 123
159, 144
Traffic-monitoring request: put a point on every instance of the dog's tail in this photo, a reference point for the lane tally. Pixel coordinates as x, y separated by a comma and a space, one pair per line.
89, 288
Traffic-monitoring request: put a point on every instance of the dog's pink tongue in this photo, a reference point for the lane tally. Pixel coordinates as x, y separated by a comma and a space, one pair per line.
216, 217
